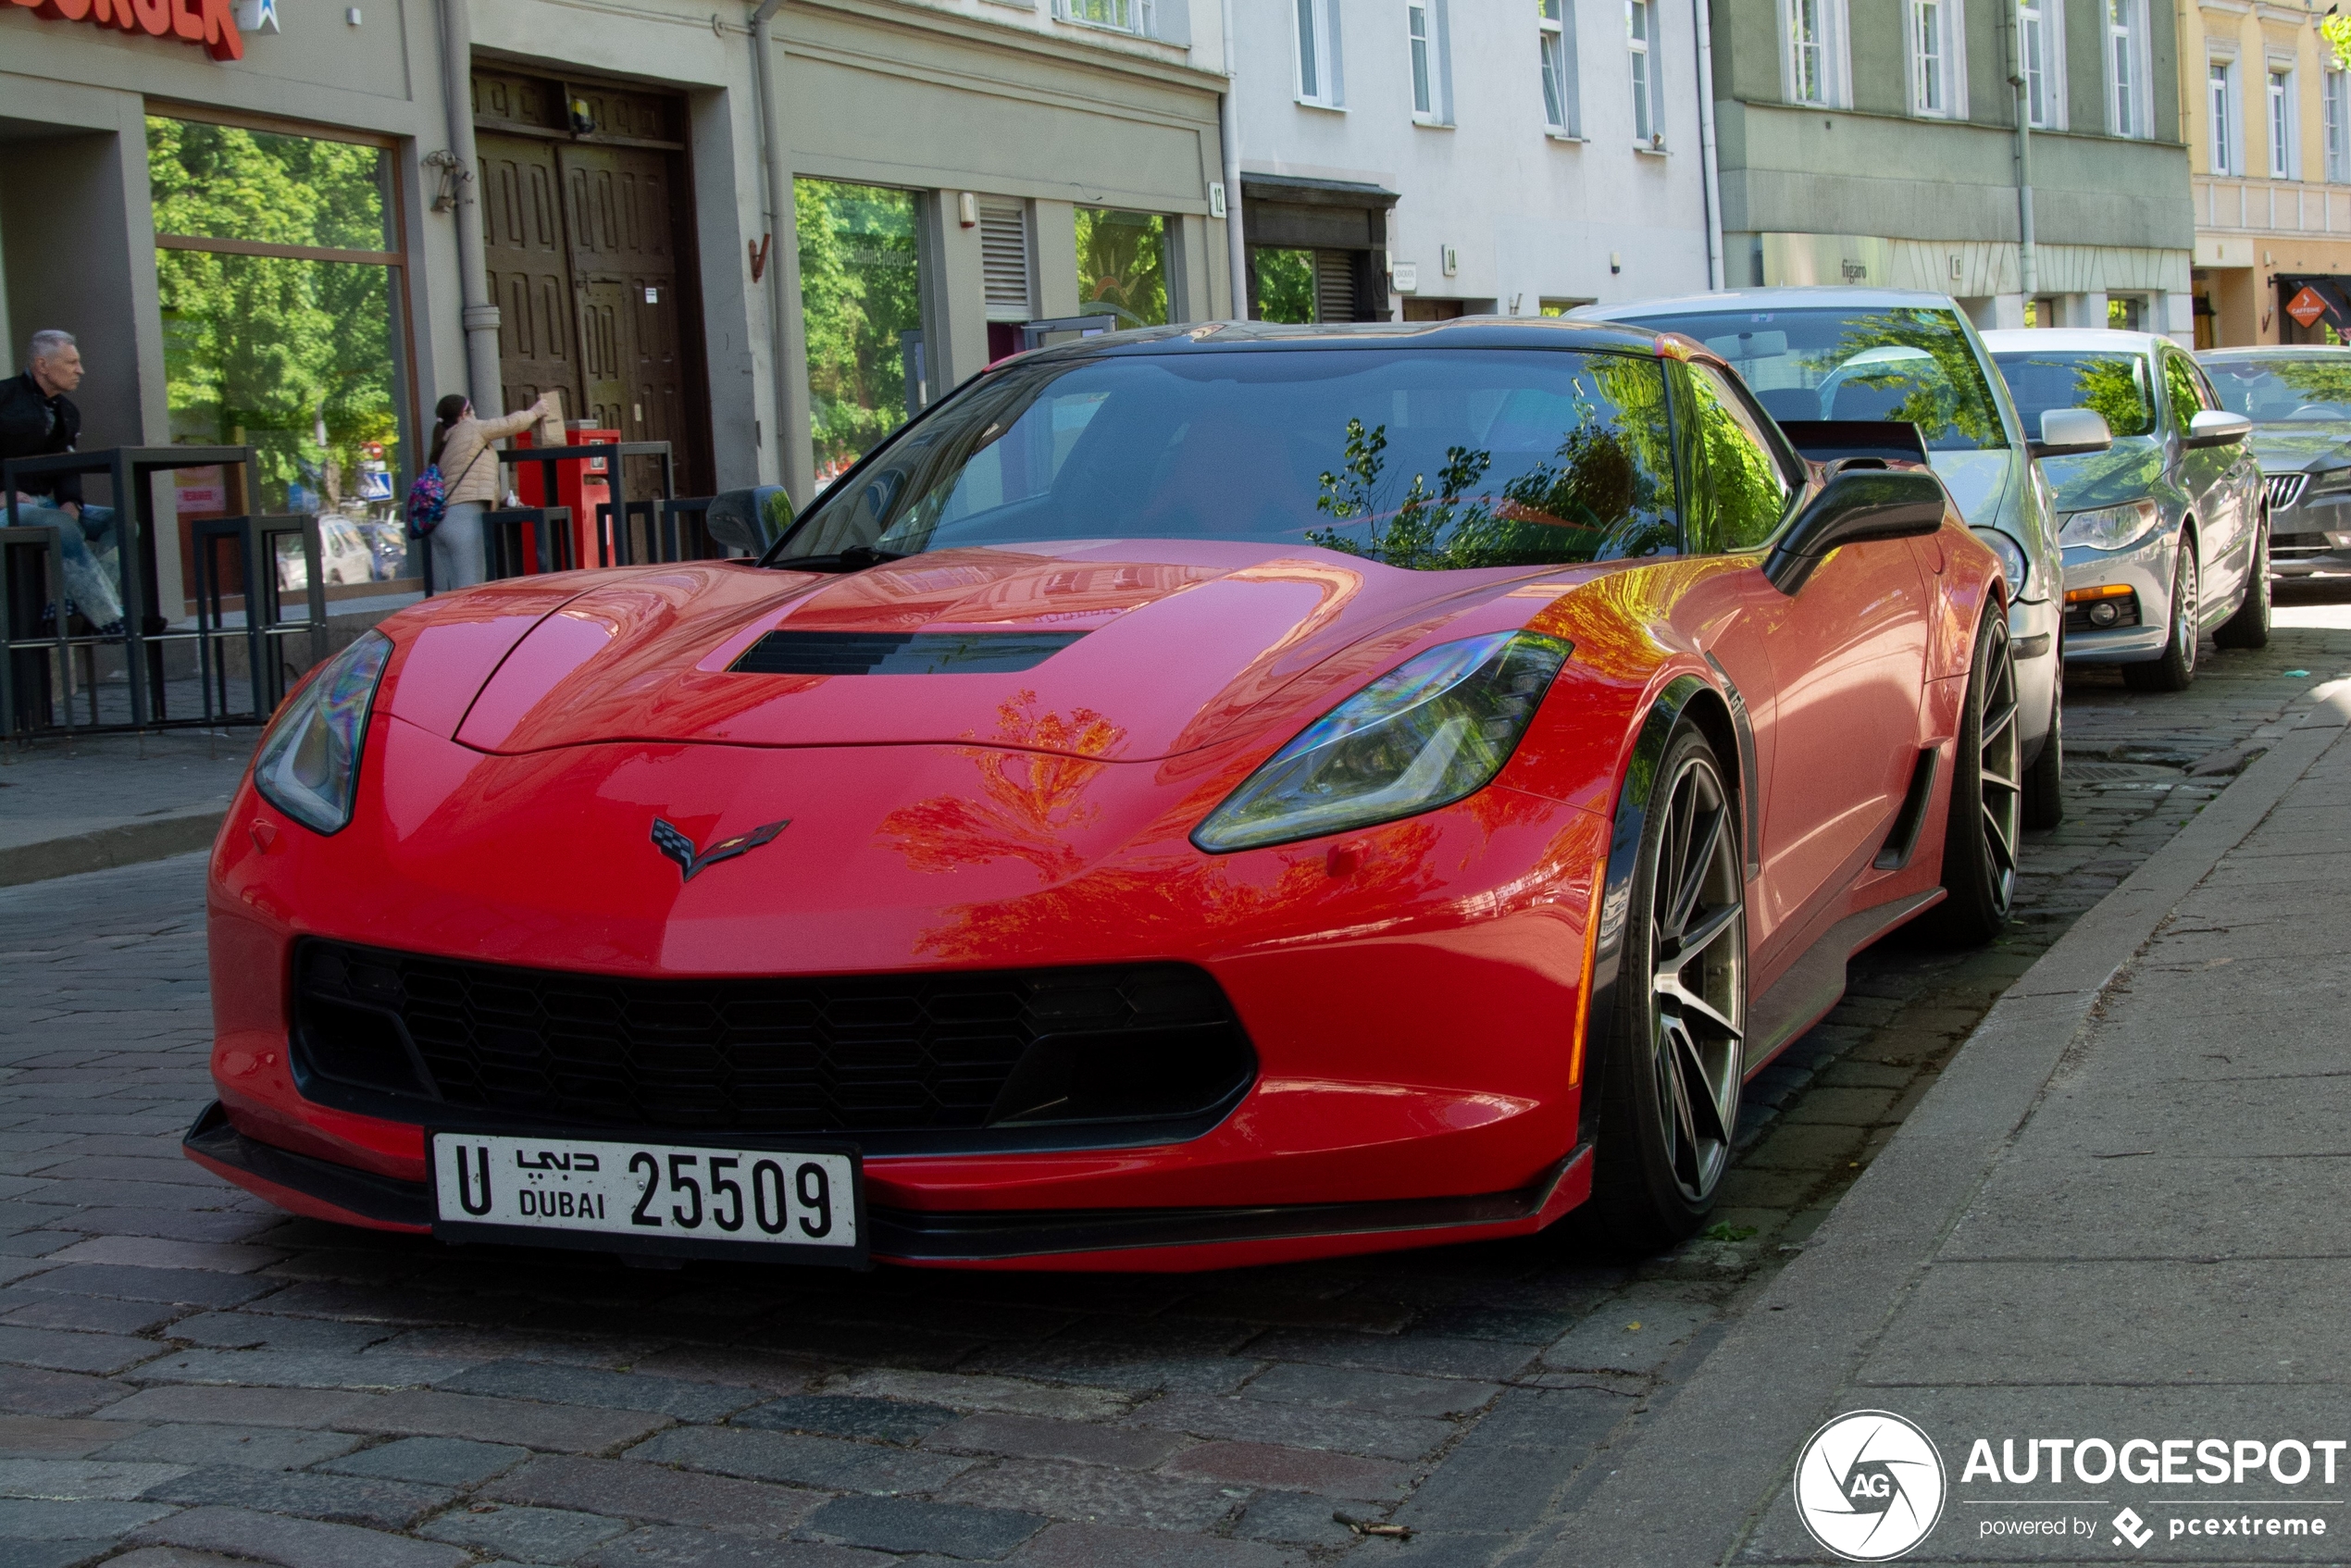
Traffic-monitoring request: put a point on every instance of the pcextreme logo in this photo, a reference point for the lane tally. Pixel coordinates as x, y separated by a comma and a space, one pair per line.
1869, 1485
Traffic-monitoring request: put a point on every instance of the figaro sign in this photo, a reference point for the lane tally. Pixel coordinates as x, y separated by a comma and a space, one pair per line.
209, 22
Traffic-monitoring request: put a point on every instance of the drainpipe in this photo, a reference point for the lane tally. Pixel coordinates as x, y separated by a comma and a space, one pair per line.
2028, 270
1706, 141
484, 383
781, 232
1228, 128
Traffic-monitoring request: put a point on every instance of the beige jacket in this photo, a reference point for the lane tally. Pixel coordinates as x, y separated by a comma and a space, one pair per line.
468, 466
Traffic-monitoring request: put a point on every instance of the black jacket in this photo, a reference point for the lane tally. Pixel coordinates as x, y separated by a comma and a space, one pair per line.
32, 424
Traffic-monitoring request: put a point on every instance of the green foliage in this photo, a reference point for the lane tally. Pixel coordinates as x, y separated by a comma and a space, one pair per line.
2336, 31
1949, 400
1741, 493
1284, 285
1723, 1230
1122, 266
293, 356
859, 289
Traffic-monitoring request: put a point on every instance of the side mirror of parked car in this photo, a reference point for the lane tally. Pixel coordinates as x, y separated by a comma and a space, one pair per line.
1856, 506
2071, 432
749, 521
2217, 427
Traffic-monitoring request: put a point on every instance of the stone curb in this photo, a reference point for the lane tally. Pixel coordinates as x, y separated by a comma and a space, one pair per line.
125, 843
1696, 1474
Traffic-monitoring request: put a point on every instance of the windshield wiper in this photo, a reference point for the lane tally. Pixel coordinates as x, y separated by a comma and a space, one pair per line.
856, 558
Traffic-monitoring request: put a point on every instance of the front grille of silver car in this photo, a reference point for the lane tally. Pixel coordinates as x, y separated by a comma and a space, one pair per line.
2285, 490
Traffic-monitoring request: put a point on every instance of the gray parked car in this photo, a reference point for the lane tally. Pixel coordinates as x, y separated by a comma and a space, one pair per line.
2163, 532
1887, 354
2299, 401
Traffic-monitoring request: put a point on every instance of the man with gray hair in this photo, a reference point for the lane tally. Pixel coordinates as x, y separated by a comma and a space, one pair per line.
36, 420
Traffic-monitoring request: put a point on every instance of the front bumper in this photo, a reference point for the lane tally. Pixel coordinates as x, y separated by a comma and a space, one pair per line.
2310, 537
2146, 570
2033, 632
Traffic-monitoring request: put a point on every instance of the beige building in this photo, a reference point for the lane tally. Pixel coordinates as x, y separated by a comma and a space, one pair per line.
2267, 115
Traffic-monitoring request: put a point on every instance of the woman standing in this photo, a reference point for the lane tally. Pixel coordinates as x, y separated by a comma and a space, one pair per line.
462, 450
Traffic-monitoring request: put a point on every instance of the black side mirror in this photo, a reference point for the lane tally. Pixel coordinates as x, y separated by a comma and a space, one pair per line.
749, 521
1855, 506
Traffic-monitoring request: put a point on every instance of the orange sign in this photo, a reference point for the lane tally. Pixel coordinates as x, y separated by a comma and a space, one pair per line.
2307, 306
209, 22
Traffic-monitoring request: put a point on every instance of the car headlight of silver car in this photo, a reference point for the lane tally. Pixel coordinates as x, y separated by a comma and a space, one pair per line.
308, 765
1434, 730
2111, 528
2011, 554
2329, 481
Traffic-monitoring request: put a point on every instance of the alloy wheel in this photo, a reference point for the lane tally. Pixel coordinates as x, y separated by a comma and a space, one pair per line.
2187, 624
1997, 754
1697, 985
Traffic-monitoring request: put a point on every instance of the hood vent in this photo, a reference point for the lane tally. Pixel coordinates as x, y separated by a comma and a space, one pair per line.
900, 653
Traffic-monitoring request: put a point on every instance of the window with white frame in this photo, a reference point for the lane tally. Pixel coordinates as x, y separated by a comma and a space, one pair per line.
1120, 15
1562, 105
2130, 109
1429, 37
2040, 26
1318, 59
2280, 118
1640, 37
1938, 74
2220, 101
2334, 99
1814, 58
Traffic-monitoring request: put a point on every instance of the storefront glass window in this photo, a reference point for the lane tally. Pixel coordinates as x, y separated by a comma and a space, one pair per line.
861, 309
1122, 266
280, 293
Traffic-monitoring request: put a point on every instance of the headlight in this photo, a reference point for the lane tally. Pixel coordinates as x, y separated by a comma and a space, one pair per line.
1426, 733
308, 765
2011, 556
2111, 528
2330, 481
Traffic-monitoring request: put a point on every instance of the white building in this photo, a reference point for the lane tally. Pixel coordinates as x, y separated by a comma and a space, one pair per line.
1427, 158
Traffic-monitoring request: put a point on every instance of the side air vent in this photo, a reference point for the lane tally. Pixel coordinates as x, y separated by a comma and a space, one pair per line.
1896, 853
899, 653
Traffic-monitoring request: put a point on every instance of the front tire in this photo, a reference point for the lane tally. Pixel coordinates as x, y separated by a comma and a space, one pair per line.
1979, 840
2176, 669
2249, 628
1675, 1057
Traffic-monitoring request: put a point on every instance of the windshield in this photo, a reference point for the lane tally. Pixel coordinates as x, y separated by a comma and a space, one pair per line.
1907, 363
2276, 390
2114, 384
1418, 457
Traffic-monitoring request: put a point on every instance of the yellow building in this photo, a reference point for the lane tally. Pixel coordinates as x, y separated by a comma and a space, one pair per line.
2267, 117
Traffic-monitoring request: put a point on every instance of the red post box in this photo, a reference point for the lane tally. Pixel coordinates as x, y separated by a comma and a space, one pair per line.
582, 486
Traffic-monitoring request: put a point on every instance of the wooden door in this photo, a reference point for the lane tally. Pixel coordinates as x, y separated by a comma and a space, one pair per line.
625, 267
529, 267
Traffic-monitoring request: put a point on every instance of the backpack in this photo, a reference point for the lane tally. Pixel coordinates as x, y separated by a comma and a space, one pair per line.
428, 500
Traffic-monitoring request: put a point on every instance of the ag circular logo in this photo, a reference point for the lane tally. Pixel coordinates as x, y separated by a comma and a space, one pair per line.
1869, 1485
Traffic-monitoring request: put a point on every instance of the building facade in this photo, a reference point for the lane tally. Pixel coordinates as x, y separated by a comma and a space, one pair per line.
1418, 159
265, 240
1876, 143
2268, 115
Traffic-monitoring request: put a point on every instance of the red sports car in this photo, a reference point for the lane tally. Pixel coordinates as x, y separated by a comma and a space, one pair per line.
1199, 797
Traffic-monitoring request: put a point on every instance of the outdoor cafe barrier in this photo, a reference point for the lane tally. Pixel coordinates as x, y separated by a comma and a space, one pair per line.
51, 670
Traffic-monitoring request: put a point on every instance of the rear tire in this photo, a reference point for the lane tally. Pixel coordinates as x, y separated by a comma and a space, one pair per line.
2176, 669
1979, 840
2249, 628
1673, 1060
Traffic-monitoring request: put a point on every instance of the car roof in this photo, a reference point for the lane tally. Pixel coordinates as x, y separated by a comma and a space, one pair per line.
1735, 300
1466, 331
2008, 339
2276, 351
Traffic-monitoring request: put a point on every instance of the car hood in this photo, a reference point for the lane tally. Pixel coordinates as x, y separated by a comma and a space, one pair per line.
2285, 447
1170, 645
2131, 469
1978, 482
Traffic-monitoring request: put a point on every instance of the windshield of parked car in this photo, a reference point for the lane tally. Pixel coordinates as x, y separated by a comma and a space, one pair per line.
1909, 363
1418, 457
2279, 390
2114, 384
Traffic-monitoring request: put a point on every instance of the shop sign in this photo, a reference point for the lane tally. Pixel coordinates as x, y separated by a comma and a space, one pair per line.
202, 490
2307, 306
209, 22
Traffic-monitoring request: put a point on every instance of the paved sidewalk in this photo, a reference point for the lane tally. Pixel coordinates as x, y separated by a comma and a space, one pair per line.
2119, 1214
95, 802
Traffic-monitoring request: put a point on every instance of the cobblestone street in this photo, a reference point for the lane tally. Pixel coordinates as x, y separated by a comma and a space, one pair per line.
190, 1378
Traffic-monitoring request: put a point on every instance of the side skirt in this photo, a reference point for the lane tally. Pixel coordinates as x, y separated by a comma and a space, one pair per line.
1803, 996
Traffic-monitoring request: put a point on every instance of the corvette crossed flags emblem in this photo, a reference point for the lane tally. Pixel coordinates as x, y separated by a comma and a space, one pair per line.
672, 842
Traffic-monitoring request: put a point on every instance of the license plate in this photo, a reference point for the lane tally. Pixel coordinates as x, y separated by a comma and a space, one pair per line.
801, 1205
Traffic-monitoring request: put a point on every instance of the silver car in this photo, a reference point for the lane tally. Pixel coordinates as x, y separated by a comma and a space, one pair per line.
2300, 400
2162, 532
1889, 354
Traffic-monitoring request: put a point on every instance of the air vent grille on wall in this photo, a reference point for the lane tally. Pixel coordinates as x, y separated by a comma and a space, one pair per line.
1003, 260
900, 653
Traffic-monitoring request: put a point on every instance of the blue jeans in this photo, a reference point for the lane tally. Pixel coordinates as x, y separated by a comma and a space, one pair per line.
92, 575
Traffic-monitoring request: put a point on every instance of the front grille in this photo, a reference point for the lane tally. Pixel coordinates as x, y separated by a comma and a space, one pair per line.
2285, 490
900, 653
852, 1054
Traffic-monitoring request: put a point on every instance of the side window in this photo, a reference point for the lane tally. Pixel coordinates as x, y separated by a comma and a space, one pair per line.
1739, 492
2179, 378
